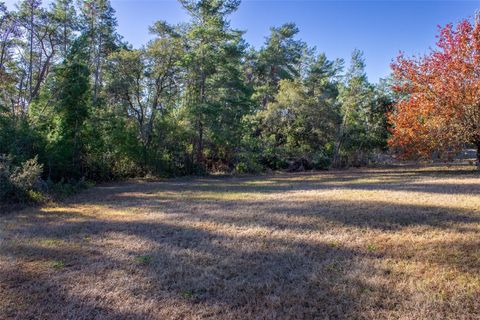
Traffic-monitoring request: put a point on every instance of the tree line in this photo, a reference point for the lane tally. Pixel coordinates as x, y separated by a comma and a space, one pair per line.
78, 102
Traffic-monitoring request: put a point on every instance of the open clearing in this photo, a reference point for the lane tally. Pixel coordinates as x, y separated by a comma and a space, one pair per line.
399, 243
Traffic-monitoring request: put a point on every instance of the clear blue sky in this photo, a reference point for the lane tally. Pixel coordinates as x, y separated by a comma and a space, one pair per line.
380, 28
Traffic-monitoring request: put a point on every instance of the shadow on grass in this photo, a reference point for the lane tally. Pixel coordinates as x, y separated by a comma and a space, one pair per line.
375, 180
194, 272
244, 277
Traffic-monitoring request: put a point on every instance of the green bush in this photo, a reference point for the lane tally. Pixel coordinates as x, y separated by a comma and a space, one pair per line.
248, 167
20, 184
7, 189
247, 162
321, 160
272, 159
28, 176
64, 188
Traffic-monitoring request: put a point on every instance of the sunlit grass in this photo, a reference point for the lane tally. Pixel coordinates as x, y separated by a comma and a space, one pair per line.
377, 243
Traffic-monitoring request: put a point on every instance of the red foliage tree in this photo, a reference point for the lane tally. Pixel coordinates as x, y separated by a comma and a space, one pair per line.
440, 108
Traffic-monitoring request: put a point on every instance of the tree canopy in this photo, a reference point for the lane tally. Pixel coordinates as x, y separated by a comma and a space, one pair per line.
439, 108
197, 98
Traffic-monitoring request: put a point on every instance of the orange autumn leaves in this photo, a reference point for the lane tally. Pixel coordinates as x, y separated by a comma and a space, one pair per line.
440, 105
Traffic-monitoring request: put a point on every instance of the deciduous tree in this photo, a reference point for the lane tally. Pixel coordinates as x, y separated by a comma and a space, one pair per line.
440, 108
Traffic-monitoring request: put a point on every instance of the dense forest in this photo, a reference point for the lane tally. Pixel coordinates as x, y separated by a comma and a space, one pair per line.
78, 103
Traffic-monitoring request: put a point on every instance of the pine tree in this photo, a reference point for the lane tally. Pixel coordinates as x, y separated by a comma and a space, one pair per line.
98, 24
279, 59
212, 63
65, 17
72, 104
356, 98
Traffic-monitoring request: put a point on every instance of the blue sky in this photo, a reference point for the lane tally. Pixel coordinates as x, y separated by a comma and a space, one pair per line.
379, 28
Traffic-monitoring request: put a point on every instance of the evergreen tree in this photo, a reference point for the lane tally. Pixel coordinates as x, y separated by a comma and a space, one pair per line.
39, 47
98, 24
357, 96
212, 64
9, 32
71, 110
65, 18
279, 59
192, 100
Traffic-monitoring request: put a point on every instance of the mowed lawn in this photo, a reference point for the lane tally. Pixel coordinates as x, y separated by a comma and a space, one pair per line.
397, 243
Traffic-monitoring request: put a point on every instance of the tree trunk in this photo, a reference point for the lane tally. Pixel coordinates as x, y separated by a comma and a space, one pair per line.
145, 158
30, 63
97, 72
65, 44
336, 154
75, 153
336, 161
41, 76
65, 34
199, 151
4, 47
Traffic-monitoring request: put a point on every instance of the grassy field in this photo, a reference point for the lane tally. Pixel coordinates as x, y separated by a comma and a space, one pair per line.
400, 243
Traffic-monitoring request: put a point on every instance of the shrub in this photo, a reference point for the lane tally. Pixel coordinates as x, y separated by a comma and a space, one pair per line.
247, 163
248, 167
321, 160
7, 189
273, 160
28, 176
63, 189
20, 184
299, 164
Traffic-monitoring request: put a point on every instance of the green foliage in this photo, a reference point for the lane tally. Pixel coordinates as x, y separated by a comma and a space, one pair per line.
321, 160
66, 134
363, 109
18, 138
57, 264
195, 99
63, 189
27, 177
279, 59
216, 96
248, 163
22, 183
143, 260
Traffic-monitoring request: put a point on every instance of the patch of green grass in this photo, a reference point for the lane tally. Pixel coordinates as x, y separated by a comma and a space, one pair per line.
371, 247
143, 260
187, 294
334, 244
36, 196
331, 267
50, 242
57, 264
366, 290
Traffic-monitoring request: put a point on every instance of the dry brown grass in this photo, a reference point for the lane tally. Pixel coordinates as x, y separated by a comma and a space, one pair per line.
397, 243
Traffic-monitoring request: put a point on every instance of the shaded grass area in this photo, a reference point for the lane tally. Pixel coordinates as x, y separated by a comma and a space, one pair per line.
394, 243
